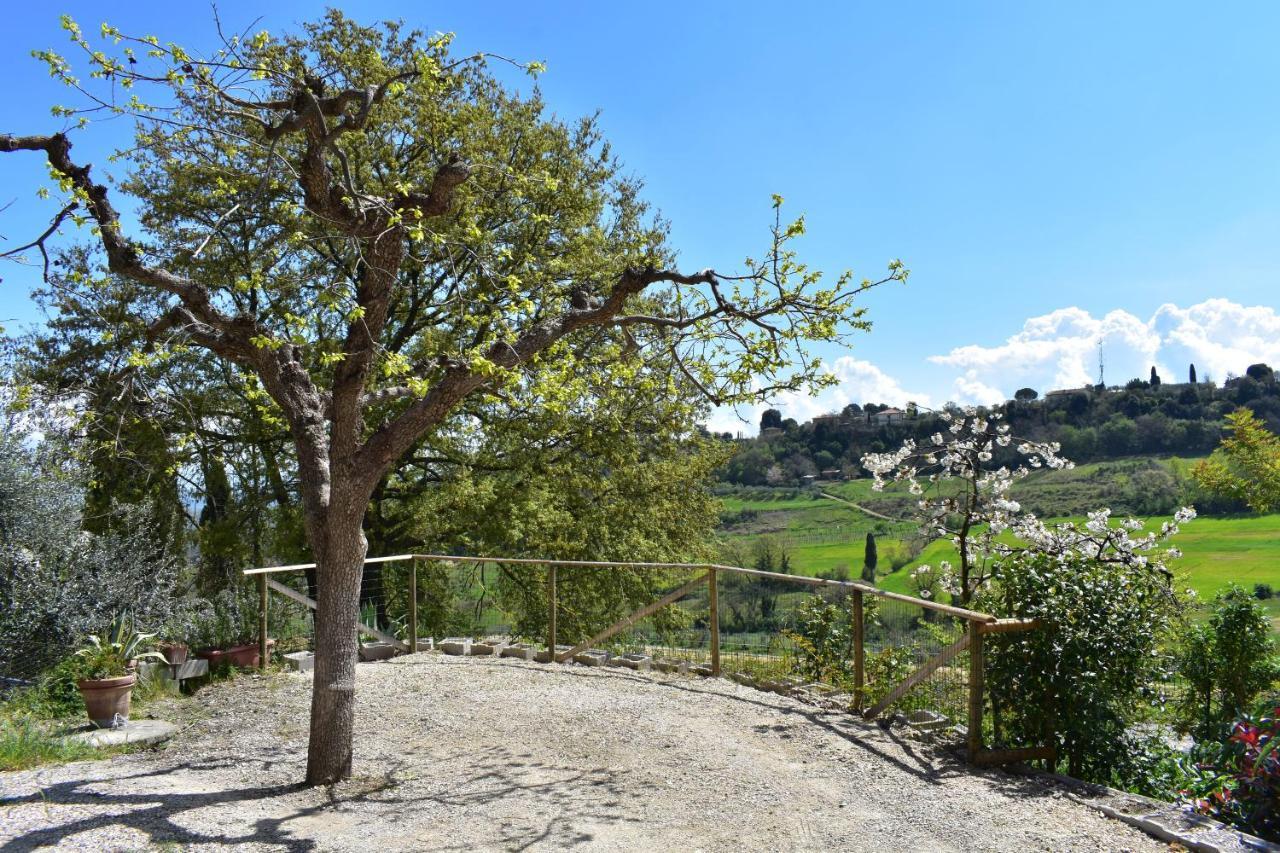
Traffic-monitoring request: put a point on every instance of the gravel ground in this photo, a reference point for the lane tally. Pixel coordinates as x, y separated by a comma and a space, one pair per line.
480, 754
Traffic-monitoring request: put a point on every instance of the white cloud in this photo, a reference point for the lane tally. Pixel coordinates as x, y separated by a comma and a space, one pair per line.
1062, 349
857, 381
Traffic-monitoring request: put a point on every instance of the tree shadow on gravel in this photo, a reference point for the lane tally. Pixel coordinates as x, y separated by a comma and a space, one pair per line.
556, 805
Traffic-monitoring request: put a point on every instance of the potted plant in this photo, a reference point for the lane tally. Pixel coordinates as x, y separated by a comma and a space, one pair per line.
106, 672
176, 634
225, 635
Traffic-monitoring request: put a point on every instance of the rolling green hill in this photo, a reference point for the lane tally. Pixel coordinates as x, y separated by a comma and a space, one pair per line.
821, 535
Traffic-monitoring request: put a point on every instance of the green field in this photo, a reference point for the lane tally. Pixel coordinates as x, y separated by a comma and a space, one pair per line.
1215, 553
821, 535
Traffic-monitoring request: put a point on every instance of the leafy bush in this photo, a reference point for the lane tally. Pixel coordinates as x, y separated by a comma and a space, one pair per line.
1081, 679
1227, 661
1262, 591
823, 638
1240, 784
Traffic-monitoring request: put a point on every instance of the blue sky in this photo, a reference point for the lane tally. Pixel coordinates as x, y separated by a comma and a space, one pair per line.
1084, 164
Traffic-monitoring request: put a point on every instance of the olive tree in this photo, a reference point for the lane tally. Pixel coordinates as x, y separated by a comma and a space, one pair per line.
375, 232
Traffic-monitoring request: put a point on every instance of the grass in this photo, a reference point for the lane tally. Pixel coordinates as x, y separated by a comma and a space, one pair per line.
27, 743
1216, 553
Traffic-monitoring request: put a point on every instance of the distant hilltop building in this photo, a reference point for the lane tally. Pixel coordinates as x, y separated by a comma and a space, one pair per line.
888, 416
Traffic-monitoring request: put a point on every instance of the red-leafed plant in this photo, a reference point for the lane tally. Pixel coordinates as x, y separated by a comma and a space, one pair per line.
1240, 785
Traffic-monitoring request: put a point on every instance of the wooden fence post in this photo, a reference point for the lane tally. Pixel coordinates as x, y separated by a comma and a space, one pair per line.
975, 690
859, 650
262, 621
413, 605
713, 606
551, 613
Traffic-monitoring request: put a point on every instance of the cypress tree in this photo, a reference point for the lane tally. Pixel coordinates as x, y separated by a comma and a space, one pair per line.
1192, 375
869, 558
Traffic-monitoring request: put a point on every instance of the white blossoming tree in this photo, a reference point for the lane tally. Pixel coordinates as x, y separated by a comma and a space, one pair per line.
1101, 590
964, 494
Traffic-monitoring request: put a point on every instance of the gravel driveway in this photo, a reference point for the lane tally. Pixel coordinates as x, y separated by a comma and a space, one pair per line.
481, 754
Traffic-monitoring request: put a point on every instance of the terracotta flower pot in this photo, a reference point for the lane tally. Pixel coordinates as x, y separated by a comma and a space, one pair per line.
107, 699
175, 653
245, 656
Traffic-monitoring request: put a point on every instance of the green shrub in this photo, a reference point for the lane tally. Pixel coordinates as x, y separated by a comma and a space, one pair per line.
1262, 591
1081, 680
1227, 662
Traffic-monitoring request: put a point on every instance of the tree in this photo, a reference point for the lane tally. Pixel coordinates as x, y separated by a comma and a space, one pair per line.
869, 559
1191, 375
1247, 465
771, 419
378, 237
1259, 373
1155, 377
1025, 395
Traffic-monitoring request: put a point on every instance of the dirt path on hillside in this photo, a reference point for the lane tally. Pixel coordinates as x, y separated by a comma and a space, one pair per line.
476, 754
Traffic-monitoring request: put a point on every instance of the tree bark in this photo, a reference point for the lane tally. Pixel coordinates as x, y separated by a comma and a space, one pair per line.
340, 554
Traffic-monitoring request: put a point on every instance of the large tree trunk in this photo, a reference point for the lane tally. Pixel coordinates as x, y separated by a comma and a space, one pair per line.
340, 554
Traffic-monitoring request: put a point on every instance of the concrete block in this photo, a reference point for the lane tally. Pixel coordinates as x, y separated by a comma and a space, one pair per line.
678, 667
300, 661
376, 651
522, 651
170, 674
743, 679
703, 669
427, 645
544, 656
488, 646
638, 662
190, 668
456, 645
591, 657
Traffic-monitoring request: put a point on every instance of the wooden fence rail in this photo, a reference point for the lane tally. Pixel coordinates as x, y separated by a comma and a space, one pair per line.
978, 625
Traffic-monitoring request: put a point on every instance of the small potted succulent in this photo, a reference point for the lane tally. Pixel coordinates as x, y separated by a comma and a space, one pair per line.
106, 669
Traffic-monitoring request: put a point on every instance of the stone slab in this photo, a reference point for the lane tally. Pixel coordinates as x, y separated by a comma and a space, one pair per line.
427, 645
132, 732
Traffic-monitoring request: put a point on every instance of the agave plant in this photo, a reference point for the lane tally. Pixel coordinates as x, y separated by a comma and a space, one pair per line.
108, 654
